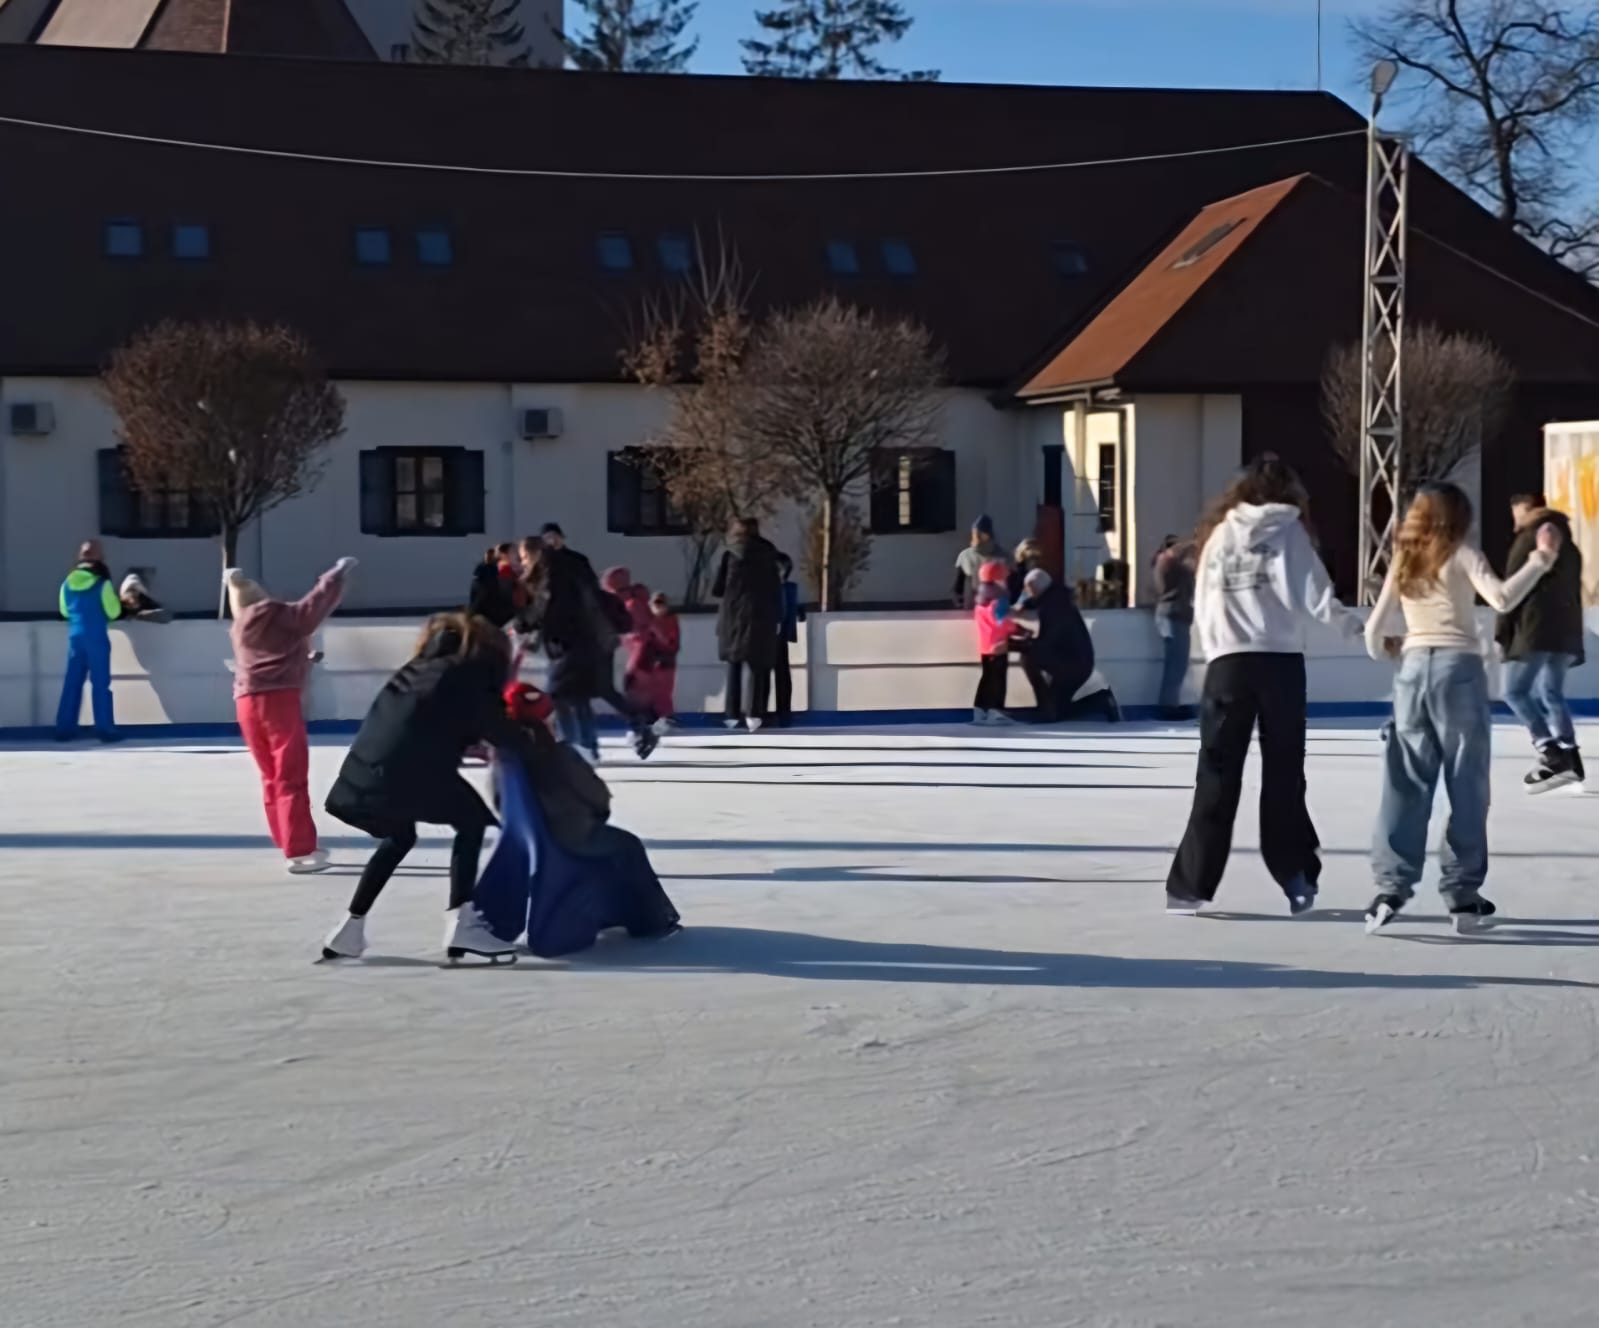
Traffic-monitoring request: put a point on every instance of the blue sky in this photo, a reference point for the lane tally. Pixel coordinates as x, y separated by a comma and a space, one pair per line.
1150, 43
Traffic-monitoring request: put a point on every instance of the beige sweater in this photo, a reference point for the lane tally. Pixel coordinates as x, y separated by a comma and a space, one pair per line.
1445, 618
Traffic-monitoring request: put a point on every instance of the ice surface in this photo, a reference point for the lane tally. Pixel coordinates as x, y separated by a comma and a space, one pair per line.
929, 1054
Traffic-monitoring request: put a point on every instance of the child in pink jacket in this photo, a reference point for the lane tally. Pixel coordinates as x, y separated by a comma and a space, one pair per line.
272, 660
997, 627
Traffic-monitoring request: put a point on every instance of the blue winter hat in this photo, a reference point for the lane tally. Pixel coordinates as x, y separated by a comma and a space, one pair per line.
984, 525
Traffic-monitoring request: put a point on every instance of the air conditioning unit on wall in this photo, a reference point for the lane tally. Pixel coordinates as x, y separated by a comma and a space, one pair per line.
31, 419
543, 422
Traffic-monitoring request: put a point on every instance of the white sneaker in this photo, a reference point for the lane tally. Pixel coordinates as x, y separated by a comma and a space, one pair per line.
754, 725
732, 723
310, 864
466, 933
347, 940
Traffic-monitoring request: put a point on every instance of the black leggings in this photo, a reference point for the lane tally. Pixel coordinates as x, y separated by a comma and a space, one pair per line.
992, 683
470, 819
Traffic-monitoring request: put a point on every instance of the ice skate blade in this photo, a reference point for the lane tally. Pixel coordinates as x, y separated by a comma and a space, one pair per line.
1469, 924
456, 954
1553, 784
334, 957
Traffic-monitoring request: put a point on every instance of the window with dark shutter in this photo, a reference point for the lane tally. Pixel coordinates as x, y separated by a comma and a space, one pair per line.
636, 498
128, 513
913, 491
422, 491
1107, 487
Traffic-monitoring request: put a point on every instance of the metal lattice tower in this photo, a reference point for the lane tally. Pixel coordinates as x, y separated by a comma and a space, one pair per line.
1382, 414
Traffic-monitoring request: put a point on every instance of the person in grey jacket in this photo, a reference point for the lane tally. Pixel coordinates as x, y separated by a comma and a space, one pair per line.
1174, 621
982, 549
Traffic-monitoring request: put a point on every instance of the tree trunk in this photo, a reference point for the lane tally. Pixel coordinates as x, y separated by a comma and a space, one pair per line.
230, 555
829, 517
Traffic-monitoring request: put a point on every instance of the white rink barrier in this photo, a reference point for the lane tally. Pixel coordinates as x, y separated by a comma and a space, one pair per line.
910, 665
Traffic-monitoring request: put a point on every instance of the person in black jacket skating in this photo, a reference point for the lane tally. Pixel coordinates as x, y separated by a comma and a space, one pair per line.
1059, 659
749, 585
404, 765
1542, 641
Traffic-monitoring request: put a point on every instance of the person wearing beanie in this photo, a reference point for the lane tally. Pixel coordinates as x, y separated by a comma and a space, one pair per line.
997, 627
982, 550
1059, 661
272, 659
89, 603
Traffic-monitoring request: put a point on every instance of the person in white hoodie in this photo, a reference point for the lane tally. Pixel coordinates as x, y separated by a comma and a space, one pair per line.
1257, 582
1441, 725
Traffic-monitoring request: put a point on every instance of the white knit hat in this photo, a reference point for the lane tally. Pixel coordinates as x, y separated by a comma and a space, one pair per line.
242, 592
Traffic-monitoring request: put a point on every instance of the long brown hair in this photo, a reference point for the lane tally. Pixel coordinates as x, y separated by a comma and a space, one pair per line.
1434, 527
465, 636
1266, 479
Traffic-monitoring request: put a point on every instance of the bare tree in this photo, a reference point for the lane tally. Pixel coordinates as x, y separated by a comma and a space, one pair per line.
238, 415
1457, 392
825, 388
1510, 94
690, 342
470, 32
851, 551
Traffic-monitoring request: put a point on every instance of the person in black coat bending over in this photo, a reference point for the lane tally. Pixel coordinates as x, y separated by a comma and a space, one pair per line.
1060, 657
404, 766
750, 587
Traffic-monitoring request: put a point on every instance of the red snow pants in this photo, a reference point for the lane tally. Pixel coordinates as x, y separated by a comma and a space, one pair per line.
274, 731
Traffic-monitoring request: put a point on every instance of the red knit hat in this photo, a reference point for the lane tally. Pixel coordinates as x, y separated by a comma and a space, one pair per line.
993, 574
527, 705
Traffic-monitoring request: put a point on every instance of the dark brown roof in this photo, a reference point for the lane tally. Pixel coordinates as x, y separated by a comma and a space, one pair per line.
525, 299
310, 28
1121, 330
1267, 303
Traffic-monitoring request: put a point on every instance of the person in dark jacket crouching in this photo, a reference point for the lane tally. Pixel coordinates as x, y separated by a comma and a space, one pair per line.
1059, 660
404, 766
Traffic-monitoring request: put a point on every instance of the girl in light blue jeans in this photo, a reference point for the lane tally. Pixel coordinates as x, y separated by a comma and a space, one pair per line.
1441, 724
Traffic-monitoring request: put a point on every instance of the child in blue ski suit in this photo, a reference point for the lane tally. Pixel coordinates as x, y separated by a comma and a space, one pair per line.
88, 602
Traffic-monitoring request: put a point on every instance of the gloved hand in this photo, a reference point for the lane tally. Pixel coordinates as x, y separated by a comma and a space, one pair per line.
346, 565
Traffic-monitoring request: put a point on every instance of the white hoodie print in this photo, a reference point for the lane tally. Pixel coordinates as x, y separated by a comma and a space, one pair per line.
1259, 579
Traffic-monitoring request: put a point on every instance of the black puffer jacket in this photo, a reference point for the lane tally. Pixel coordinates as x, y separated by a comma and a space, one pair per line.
1063, 646
1550, 618
749, 585
404, 763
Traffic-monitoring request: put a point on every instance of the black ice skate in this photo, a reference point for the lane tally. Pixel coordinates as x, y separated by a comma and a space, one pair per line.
1472, 917
1384, 909
1557, 767
1301, 896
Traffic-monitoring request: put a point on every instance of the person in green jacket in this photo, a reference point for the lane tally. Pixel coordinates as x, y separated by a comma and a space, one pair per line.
89, 603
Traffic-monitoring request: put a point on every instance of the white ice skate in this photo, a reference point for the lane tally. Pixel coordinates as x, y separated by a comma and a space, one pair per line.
753, 724
465, 933
998, 719
347, 940
310, 864
979, 715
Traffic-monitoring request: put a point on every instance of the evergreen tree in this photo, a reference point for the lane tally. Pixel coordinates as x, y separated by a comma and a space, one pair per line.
469, 32
828, 39
633, 36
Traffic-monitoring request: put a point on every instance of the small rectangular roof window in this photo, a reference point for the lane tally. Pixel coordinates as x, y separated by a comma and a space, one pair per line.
842, 258
372, 248
898, 258
1206, 243
676, 252
433, 247
124, 239
615, 251
191, 241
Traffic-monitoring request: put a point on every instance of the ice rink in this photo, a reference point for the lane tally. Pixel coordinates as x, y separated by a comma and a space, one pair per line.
929, 1053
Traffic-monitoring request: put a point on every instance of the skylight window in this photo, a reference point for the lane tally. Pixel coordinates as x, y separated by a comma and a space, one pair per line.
191, 241
124, 239
1206, 243
433, 247
372, 247
676, 253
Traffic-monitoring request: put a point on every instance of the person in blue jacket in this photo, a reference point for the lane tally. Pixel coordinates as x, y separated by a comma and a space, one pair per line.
791, 615
88, 602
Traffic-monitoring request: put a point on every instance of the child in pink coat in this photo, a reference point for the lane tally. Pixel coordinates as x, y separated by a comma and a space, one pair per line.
272, 660
997, 627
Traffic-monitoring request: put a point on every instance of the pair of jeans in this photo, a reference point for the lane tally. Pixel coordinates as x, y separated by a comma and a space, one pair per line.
575, 720
1175, 639
1441, 727
1240, 692
760, 684
1535, 689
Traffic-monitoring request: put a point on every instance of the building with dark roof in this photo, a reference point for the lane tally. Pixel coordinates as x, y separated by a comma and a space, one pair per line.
1157, 273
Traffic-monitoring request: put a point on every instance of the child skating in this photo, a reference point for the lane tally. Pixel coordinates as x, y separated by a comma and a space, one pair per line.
1441, 724
997, 627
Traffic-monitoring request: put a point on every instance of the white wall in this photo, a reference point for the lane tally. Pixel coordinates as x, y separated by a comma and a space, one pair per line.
179, 673
49, 497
